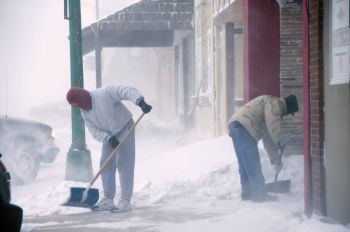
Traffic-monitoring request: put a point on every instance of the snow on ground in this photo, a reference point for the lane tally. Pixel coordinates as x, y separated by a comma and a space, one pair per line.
189, 188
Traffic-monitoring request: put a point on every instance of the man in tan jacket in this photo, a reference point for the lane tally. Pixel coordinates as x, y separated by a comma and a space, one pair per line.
261, 118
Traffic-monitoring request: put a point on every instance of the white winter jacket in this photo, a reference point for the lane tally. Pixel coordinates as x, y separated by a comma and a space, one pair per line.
108, 115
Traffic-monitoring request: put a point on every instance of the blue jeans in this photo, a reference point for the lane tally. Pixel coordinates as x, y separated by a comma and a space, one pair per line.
246, 147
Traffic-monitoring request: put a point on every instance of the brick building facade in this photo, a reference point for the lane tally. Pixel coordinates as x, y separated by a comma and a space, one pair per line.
300, 41
291, 69
316, 106
327, 123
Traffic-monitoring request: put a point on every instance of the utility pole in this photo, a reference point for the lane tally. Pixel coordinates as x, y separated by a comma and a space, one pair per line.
78, 162
6, 91
97, 10
98, 50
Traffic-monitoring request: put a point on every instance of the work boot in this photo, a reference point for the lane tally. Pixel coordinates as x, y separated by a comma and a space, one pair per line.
104, 204
264, 197
245, 196
123, 206
246, 192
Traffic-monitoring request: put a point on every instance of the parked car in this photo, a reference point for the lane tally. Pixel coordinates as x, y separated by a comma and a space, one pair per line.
25, 144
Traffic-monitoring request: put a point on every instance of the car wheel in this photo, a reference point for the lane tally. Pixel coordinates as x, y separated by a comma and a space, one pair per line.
23, 160
27, 166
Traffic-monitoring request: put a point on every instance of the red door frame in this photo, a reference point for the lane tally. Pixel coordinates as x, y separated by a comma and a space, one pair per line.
261, 23
306, 87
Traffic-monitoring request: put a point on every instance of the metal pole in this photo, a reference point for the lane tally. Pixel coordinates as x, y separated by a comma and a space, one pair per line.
6, 91
97, 10
98, 59
98, 51
78, 163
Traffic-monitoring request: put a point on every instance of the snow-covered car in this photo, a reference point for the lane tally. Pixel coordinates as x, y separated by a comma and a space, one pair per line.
25, 144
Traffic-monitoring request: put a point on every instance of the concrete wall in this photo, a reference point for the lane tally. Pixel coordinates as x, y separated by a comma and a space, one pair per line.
336, 127
220, 79
219, 67
205, 115
228, 59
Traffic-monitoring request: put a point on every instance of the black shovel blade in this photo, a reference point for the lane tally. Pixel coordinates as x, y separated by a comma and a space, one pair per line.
281, 186
76, 197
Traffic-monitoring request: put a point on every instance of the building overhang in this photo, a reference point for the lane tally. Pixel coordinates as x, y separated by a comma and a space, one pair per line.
143, 24
229, 13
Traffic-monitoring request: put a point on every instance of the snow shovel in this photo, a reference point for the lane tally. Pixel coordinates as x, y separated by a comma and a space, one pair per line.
279, 186
87, 197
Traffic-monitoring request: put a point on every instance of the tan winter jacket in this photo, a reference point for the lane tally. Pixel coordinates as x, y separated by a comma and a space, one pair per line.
262, 117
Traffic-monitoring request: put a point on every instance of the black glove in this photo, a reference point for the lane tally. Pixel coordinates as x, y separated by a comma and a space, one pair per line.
113, 141
145, 107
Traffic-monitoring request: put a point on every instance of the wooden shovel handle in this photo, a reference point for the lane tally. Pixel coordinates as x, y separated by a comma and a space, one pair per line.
279, 160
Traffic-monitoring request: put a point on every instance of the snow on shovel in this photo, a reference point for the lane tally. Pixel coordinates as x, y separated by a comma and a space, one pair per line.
87, 197
280, 186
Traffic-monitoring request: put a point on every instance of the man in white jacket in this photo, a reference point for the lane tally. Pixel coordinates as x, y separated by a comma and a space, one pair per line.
108, 120
261, 118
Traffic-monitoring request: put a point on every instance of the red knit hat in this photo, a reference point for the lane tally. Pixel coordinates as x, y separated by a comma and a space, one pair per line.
80, 98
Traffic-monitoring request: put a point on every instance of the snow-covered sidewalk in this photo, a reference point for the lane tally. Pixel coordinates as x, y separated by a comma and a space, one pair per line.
190, 215
192, 188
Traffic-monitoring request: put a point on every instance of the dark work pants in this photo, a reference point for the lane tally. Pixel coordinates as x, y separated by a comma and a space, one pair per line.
246, 147
11, 217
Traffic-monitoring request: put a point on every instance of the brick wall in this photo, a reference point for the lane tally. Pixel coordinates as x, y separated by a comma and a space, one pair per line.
291, 68
316, 106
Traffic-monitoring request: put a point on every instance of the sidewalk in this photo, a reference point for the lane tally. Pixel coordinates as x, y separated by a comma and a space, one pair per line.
140, 219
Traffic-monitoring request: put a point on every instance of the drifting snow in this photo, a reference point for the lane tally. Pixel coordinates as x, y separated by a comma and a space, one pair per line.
192, 187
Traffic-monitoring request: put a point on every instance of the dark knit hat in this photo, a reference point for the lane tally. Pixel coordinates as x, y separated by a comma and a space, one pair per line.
80, 98
292, 104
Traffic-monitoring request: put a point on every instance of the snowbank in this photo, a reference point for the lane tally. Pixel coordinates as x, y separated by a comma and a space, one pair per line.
197, 186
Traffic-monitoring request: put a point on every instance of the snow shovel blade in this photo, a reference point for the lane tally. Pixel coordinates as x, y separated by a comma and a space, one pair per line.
281, 186
76, 197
